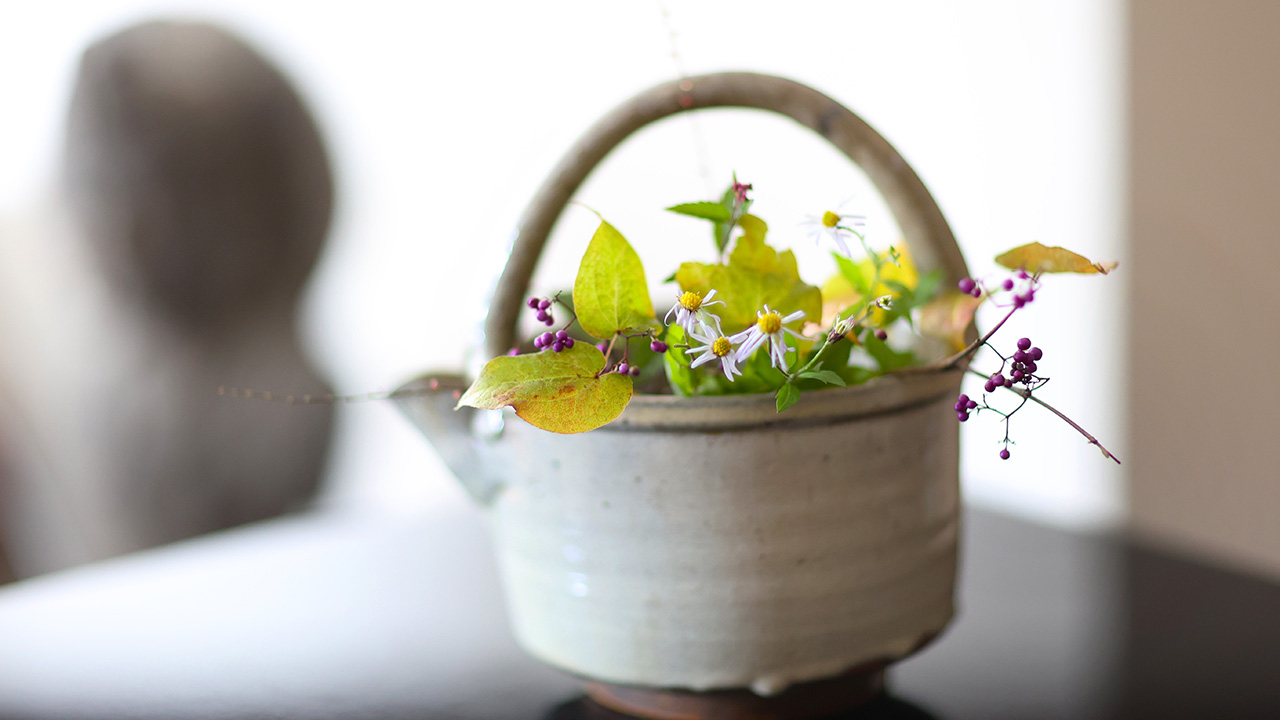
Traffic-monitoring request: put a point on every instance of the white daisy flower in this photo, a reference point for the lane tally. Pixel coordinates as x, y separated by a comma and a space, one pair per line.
691, 311
840, 228
715, 346
769, 327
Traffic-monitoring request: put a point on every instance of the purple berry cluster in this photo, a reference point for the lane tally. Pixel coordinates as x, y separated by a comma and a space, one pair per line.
963, 405
969, 286
559, 341
625, 369
543, 307
1024, 362
657, 345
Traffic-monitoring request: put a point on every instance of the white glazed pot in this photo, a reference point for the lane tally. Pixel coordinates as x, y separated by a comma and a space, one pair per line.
711, 543
707, 543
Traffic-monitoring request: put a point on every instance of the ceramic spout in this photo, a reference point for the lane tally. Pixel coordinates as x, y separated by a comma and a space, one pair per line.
429, 401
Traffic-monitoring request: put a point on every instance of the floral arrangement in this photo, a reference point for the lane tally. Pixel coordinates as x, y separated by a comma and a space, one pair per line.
749, 324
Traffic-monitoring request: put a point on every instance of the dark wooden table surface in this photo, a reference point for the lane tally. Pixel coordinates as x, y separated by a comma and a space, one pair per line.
348, 615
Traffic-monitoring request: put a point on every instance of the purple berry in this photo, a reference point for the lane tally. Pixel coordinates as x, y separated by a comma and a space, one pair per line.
562, 335
533, 303
1004, 454
513, 352
544, 304
547, 338
537, 342
977, 292
602, 346
967, 285
623, 369
1029, 367
635, 370
963, 398
1016, 374
568, 343
881, 334
549, 322
990, 386
658, 346
542, 316
962, 416
1020, 357
971, 404
998, 379
1024, 343
1008, 284
960, 405
558, 346
1036, 353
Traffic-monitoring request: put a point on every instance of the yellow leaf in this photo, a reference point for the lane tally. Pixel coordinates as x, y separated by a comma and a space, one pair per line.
839, 293
561, 392
1036, 258
946, 317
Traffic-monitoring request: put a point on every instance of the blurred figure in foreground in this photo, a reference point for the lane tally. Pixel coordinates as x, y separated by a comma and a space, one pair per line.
199, 195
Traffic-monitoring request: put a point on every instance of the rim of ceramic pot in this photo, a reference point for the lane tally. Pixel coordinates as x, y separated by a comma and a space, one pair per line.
714, 413
881, 395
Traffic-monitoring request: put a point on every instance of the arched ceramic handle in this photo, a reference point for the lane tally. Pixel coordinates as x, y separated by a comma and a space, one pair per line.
924, 229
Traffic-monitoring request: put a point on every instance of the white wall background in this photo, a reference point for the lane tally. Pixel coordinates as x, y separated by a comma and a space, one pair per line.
444, 117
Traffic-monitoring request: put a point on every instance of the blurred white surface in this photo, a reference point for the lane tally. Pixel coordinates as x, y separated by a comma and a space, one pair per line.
319, 615
443, 118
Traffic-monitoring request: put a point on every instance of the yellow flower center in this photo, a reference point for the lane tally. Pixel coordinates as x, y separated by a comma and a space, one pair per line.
770, 323
721, 347
691, 301
830, 219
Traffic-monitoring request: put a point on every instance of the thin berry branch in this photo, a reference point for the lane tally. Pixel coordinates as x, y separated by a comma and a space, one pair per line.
1026, 395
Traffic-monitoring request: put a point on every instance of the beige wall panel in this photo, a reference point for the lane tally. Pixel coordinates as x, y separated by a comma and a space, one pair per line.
1205, 214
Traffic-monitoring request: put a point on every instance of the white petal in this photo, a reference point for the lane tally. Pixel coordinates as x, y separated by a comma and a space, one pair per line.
729, 367
751, 344
706, 357
778, 351
797, 315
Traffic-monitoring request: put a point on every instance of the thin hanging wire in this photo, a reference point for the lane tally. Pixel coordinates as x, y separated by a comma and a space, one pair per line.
699, 141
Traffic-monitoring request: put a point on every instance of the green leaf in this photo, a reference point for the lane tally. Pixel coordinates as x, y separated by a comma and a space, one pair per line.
928, 286
1036, 258
559, 392
888, 359
755, 276
713, 211
853, 273
837, 356
610, 294
946, 317
856, 375
679, 374
721, 230
825, 376
787, 396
